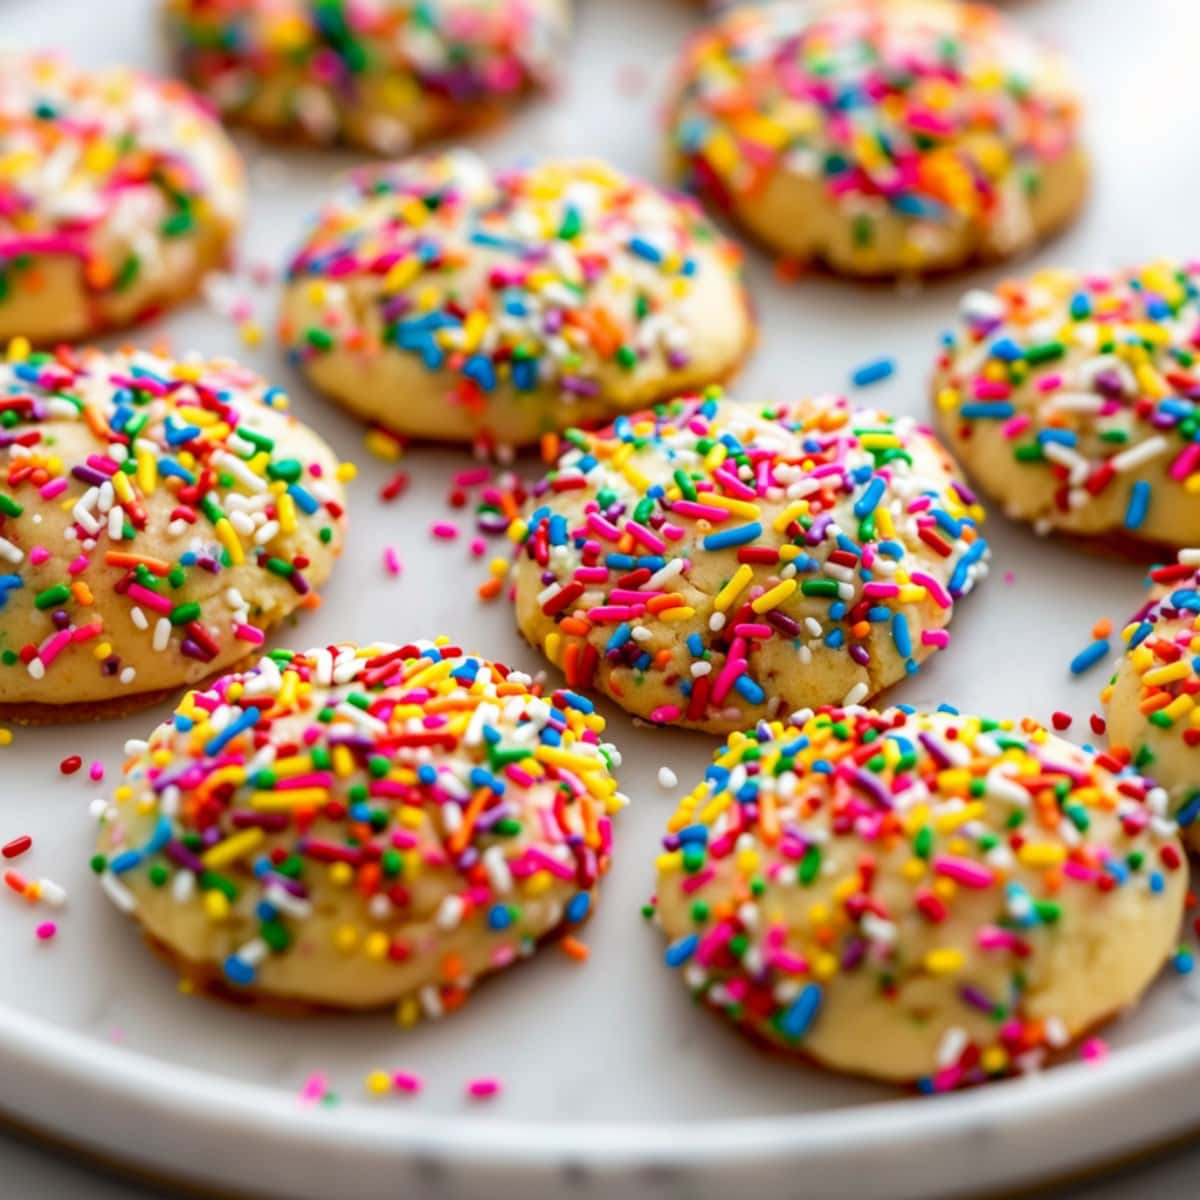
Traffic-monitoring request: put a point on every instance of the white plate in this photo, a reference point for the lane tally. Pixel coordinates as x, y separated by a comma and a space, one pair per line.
611, 1077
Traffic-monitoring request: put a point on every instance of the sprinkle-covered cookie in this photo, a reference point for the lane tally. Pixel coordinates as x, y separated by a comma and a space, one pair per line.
445, 300
1153, 718
380, 74
879, 137
353, 827
919, 897
707, 564
117, 193
156, 517
1072, 399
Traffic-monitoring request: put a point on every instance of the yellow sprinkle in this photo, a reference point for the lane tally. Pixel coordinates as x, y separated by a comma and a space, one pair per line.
729, 593
233, 848
289, 798
1167, 674
774, 597
216, 905
944, 962
228, 538
1041, 854
379, 1083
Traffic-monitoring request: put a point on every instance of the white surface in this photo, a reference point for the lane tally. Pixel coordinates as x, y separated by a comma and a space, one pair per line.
611, 1076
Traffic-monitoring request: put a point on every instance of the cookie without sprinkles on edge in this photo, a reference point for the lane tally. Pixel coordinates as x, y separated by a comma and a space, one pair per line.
1072, 399
156, 517
447, 300
919, 897
1151, 701
118, 192
709, 563
358, 827
380, 74
879, 137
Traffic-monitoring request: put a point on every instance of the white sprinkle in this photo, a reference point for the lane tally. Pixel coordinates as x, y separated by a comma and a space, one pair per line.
117, 892
667, 779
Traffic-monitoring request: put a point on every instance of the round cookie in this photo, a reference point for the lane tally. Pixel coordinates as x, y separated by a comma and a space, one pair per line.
118, 192
879, 137
1151, 701
352, 827
708, 564
156, 517
1070, 398
380, 74
918, 897
447, 301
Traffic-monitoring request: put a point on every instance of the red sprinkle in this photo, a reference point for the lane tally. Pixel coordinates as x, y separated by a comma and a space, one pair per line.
1061, 720
71, 764
17, 846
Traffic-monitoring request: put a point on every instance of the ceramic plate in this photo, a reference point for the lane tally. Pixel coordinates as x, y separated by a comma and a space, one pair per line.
610, 1075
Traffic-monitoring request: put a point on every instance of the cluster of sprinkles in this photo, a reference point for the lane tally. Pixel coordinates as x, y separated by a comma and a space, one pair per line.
168, 488
1162, 641
323, 63
36, 892
984, 808
552, 278
80, 154
451, 812
942, 115
830, 529
1092, 379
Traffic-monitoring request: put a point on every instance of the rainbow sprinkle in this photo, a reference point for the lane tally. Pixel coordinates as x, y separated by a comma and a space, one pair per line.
1074, 397
718, 550
932, 867
445, 812
152, 520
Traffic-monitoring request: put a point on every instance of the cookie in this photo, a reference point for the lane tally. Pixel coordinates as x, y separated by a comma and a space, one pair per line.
355, 827
921, 897
380, 75
708, 564
118, 192
1153, 719
879, 137
446, 300
1068, 396
157, 516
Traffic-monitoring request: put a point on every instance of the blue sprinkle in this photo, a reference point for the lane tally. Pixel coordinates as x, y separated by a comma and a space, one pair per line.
988, 410
499, 917
901, 636
679, 952
1089, 656
866, 504
578, 907
739, 535
749, 690
875, 371
798, 1019
1190, 810
1139, 503
238, 971
125, 861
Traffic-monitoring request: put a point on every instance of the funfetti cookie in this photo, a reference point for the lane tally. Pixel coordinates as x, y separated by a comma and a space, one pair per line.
361, 826
918, 897
1151, 702
879, 137
381, 74
157, 516
447, 300
118, 192
709, 563
1070, 397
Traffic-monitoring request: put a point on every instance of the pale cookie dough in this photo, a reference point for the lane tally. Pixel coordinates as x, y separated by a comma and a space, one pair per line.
380, 74
156, 517
118, 192
1072, 399
879, 137
353, 827
448, 301
709, 563
927, 898
1153, 718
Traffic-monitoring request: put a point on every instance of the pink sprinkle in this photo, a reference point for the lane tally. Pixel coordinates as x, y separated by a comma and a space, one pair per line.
314, 1088
445, 530
391, 561
483, 1089
478, 547
38, 555
938, 638
403, 1081
77, 565
96, 771
248, 633
46, 930
1010, 577
1094, 1050
473, 477
54, 488
963, 870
